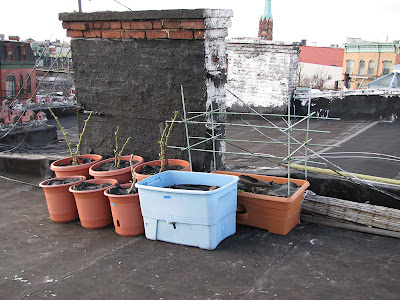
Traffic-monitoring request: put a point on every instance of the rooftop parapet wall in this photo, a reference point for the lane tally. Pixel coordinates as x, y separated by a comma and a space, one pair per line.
352, 105
129, 67
169, 24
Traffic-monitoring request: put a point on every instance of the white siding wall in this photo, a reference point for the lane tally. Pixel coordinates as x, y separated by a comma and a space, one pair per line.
262, 73
308, 70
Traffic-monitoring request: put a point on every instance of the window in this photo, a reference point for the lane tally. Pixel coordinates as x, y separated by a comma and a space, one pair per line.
21, 83
10, 86
371, 67
349, 69
386, 67
28, 84
10, 52
361, 67
24, 53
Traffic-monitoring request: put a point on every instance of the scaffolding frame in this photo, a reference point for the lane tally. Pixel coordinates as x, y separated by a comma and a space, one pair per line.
291, 142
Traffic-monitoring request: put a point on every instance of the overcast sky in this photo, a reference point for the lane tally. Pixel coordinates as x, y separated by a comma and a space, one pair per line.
320, 22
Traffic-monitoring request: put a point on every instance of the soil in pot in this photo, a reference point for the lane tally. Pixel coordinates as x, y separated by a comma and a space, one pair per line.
150, 170
89, 186
253, 185
81, 161
57, 181
110, 166
118, 190
125, 208
193, 187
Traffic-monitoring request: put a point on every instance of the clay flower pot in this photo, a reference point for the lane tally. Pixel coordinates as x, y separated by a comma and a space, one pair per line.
93, 206
123, 175
276, 214
172, 162
62, 169
126, 213
60, 201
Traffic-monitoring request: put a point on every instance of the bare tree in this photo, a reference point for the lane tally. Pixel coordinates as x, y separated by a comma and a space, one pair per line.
316, 81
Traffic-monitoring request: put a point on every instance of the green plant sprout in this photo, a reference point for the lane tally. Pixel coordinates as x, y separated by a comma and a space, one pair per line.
118, 154
163, 142
74, 154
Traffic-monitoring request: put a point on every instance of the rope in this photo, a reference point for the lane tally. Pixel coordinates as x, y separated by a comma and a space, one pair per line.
19, 181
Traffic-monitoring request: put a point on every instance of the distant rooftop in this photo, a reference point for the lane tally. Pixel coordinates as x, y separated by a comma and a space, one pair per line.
321, 56
389, 81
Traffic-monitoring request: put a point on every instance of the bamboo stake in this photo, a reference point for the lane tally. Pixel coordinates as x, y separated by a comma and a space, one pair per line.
163, 142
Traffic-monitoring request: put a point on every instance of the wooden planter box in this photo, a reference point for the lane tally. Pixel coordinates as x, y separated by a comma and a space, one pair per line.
275, 214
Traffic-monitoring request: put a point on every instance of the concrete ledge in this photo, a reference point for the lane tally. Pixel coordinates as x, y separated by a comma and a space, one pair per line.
32, 164
146, 14
31, 138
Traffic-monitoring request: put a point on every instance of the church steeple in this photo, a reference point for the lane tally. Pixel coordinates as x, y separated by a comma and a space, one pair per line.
267, 10
266, 22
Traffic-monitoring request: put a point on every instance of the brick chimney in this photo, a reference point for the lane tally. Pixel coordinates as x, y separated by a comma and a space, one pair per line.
129, 67
13, 38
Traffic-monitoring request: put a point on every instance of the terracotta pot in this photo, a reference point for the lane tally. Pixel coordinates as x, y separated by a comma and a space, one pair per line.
126, 213
275, 214
93, 206
82, 169
60, 201
153, 163
123, 175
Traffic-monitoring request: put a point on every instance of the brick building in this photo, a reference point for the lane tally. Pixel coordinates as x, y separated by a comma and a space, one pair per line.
364, 61
16, 64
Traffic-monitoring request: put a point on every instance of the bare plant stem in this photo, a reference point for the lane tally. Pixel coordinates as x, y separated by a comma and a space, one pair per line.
133, 176
118, 154
163, 142
74, 154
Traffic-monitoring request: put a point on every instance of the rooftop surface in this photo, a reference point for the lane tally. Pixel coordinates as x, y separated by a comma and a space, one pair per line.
42, 259
321, 56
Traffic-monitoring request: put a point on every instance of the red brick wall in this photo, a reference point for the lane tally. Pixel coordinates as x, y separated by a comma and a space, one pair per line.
143, 29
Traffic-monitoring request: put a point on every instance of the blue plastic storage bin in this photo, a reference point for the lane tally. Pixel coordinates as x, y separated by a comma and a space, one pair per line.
194, 218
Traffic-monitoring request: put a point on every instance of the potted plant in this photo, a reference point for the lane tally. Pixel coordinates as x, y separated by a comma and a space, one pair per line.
260, 205
117, 167
60, 201
125, 207
147, 169
93, 206
76, 164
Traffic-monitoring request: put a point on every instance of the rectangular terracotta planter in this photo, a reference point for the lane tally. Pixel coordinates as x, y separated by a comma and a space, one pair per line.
276, 214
